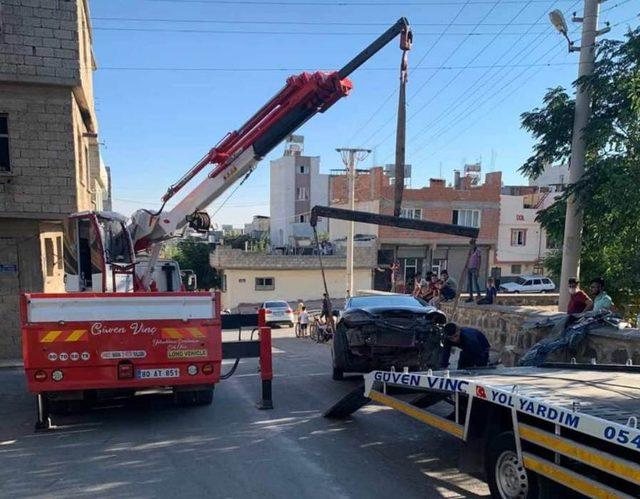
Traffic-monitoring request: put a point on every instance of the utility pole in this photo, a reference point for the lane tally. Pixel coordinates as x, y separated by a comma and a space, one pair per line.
572, 244
401, 126
350, 156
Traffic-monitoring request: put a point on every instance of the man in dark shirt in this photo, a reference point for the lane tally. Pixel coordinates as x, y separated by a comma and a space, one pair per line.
579, 301
474, 346
326, 308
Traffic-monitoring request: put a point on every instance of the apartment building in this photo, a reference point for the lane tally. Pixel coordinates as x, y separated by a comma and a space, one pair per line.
467, 202
50, 163
296, 186
522, 242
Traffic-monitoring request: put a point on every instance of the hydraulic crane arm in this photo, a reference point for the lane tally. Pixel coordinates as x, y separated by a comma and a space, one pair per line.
236, 155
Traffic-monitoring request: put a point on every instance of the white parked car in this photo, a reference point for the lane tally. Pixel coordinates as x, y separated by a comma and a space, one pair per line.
529, 284
278, 312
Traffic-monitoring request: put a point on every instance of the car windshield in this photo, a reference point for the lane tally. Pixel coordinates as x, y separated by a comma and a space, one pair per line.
520, 280
386, 301
276, 304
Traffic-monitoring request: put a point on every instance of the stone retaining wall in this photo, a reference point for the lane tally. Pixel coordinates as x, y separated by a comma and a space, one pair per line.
512, 331
527, 299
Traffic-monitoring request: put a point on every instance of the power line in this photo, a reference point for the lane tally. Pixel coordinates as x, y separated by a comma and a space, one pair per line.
476, 105
448, 58
260, 70
286, 33
475, 87
286, 23
344, 3
451, 54
395, 90
470, 91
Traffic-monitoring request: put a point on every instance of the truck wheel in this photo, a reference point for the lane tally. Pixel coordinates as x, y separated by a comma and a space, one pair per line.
204, 397
506, 475
190, 398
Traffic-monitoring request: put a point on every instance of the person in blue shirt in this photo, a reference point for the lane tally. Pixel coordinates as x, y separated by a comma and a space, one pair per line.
490, 297
474, 345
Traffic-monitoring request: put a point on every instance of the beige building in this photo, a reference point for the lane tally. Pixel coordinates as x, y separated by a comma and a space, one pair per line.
49, 159
250, 278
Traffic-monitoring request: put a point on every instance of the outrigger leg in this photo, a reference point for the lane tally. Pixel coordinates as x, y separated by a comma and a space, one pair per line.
43, 419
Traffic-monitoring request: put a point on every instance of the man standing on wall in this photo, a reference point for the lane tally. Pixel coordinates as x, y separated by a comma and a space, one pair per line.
473, 269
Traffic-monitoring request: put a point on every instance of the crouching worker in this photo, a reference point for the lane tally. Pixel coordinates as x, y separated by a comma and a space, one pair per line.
474, 346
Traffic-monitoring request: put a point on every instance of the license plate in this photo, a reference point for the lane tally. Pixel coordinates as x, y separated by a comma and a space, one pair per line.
171, 372
278, 313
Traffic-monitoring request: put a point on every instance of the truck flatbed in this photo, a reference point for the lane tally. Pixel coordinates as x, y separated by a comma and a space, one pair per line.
534, 431
611, 395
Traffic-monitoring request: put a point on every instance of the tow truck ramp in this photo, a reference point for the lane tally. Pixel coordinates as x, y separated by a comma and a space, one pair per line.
536, 431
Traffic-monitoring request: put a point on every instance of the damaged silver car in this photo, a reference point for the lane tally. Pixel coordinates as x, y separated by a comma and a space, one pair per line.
381, 331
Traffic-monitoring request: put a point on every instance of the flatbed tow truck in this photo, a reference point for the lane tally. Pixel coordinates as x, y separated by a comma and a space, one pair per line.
534, 431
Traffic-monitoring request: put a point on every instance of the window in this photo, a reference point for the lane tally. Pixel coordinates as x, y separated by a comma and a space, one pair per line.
49, 257
415, 213
546, 281
551, 243
468, 218
265, 284
516, 269
87, 175
81, 169
59, 258
302, 194
537, 282
518, 237
5, 165
303, 169
303, 218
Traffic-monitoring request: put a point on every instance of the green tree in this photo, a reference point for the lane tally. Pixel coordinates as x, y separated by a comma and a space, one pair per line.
194, 255
609, 192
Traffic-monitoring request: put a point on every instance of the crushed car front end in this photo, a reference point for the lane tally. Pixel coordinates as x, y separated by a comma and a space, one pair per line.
384, 337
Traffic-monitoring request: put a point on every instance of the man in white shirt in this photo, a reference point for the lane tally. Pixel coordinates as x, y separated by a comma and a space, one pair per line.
304, 321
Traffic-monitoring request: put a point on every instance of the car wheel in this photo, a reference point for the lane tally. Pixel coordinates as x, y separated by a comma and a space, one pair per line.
506, 475
338, 374
516, 291
291, 324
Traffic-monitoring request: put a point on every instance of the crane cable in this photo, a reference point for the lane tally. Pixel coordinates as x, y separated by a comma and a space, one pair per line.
324, 277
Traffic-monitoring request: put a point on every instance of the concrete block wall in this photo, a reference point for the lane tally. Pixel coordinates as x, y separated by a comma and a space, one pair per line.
42, 151
229, 258
39, 41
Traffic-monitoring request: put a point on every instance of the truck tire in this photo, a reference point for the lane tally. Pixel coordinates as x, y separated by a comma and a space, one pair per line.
506, 476
189, 398
204, 397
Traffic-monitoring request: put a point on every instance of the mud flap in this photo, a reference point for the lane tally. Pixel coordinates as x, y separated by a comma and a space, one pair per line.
348, 404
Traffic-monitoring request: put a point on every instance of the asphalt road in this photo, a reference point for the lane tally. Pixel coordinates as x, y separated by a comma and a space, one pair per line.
149, 448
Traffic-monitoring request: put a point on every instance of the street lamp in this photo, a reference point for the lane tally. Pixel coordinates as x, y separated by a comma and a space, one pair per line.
557, 19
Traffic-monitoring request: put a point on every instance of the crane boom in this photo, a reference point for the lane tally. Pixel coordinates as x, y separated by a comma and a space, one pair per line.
237, 154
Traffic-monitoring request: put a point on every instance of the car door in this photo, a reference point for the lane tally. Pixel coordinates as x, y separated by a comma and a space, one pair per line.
527, 286
537, 286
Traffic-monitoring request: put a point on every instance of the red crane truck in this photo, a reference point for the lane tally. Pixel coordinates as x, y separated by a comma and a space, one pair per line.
124, 324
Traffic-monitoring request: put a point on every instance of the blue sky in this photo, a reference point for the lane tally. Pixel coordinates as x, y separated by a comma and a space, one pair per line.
174, 76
